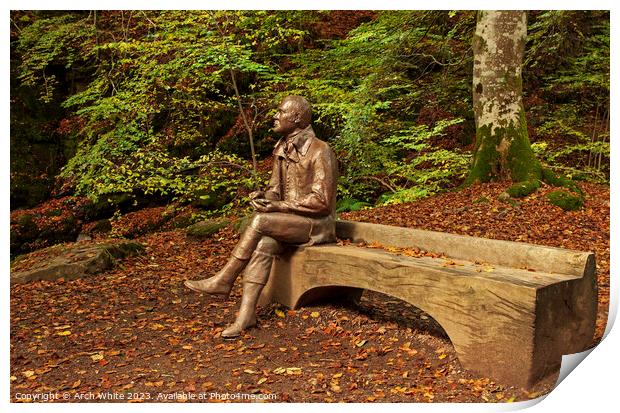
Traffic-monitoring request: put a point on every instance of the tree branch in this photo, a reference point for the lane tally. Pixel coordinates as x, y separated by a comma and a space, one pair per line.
374, 178
238, 97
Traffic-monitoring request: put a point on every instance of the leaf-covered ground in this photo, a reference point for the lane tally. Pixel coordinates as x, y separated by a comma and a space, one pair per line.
136, 331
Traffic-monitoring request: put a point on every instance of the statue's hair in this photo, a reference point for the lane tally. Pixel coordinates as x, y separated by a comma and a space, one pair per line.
303, 109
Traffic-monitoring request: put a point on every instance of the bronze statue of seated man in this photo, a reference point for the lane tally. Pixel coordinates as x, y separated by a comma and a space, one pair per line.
297, 208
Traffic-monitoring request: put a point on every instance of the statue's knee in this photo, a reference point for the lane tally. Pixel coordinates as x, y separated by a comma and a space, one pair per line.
262, 222
268, 245
257, 221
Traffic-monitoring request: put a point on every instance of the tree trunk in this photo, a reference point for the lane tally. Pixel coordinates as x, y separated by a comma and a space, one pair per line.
503, 149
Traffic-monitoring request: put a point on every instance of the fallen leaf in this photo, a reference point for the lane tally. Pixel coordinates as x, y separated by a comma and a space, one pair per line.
314, 314
97, 357
384, 350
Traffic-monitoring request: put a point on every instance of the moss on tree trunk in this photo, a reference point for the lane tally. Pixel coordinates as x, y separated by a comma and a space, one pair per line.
503, 149
502, 153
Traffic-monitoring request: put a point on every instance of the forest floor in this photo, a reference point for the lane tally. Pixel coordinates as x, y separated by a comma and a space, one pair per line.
136, 332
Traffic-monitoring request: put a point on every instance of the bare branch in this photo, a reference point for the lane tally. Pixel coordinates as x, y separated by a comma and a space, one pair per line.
381, 181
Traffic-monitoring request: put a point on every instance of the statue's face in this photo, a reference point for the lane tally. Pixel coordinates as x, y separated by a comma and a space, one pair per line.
286, 119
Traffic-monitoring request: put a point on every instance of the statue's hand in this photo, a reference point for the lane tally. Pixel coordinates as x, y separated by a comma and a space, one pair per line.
257, 194
259, 204
265, 205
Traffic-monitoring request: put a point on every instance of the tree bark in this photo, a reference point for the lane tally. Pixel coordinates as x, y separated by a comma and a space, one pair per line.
503, 149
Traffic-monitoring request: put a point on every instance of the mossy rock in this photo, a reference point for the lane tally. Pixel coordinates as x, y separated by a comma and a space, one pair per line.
242, 223
124, 249
103, 225
565, 200
24, 230
26, 220
73, 261
182, 221
66, 230
26, 234
521, 189
207, 228
54, 212
107, 205
28, 193
210, 200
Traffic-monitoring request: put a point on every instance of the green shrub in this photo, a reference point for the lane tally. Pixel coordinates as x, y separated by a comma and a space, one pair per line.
350, 204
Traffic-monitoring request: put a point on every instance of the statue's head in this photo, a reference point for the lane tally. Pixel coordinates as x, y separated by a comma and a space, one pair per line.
294, 113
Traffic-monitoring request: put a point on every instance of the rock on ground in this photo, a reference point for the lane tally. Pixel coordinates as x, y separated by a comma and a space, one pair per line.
72, 261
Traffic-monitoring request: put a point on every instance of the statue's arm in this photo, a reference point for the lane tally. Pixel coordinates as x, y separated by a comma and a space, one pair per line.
272, 192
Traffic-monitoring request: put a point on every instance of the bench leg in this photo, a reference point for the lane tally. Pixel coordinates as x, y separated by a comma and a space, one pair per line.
285, 289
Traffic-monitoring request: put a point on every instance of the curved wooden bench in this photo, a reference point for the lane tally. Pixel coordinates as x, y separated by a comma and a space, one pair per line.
511, 320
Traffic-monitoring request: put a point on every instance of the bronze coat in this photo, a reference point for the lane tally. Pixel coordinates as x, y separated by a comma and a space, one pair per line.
304, 177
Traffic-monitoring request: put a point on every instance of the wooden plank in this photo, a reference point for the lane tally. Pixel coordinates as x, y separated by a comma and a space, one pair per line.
499, 252
460, 268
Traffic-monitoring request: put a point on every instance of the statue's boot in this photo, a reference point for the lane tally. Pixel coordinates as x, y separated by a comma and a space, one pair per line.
255, 278
223, 281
